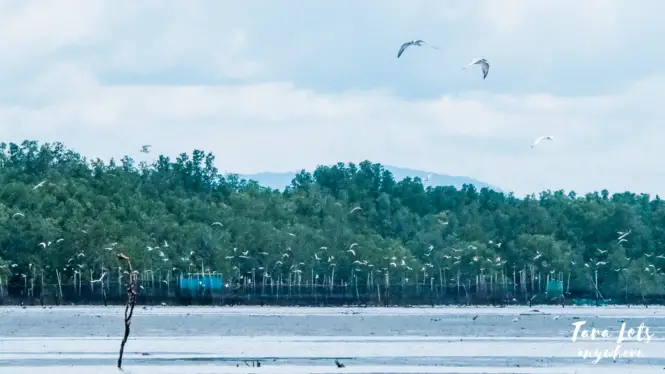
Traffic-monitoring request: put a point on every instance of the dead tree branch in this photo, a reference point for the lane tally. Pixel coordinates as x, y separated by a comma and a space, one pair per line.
129, 307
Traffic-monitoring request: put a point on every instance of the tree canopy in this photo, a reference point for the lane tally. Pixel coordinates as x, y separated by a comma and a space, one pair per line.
88, 210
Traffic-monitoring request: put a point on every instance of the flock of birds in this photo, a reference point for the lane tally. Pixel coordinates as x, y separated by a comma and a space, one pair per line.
241, 261
483, 63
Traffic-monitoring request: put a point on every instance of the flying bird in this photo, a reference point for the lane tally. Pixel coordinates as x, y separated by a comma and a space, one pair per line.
535, 143
483, 63
217, 224
38, 185
18, 214
145, 148
623, 234
354, 209
417, 43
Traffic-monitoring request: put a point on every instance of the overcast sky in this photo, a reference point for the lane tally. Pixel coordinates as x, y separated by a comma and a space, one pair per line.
283, 85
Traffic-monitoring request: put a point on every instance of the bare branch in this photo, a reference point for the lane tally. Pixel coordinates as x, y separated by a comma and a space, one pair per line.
129, 307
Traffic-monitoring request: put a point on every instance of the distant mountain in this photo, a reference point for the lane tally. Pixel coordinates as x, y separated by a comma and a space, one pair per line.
281, 180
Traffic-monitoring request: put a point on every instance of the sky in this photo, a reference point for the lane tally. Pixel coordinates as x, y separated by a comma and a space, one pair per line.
280, 86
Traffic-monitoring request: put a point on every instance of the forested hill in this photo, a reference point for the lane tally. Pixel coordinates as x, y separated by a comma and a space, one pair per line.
172, 204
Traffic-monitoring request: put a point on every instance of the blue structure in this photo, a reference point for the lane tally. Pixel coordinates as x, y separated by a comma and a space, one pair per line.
195, 283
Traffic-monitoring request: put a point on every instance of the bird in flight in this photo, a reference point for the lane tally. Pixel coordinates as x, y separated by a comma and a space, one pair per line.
38, 185
146, 148
623, 234
483, 63
548, 137
417, 43
354, 209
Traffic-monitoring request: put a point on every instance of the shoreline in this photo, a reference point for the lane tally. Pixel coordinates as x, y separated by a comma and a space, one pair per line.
586, 311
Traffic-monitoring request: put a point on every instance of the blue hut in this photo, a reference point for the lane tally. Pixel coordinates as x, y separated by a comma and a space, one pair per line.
196, 283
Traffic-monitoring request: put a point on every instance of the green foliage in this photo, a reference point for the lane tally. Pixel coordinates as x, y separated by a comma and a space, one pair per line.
91, 205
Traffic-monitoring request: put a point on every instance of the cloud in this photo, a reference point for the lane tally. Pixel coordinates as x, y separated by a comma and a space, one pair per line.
270, 89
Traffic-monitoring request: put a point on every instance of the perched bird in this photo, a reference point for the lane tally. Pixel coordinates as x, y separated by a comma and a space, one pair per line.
417, 43
535, 143
145, 148
483, 63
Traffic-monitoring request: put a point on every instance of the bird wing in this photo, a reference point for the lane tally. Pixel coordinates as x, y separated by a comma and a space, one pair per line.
486, 68
403, 48
431, 46
535, 143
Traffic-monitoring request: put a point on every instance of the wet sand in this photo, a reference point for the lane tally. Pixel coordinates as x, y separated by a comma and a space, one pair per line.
308, 340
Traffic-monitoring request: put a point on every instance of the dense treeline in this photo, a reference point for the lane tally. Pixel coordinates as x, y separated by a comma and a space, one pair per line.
180, 215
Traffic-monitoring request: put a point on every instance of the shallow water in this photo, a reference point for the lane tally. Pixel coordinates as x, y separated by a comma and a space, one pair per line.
308, 340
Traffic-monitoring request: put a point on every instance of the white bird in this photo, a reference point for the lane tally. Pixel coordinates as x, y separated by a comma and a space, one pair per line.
352, 251
555, 318
59, 240
217, 224
145, 148
622, 240
601, 263
427, 177
17, 214
601, 251
483, 63
43, 244
354, 209
166, 244
548, 137
38, 185
316, 256
516, 319
417, 43
99, 280
291, 234
623, 234
353, 245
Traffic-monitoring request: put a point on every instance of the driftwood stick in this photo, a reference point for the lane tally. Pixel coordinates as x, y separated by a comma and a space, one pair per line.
129, 307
